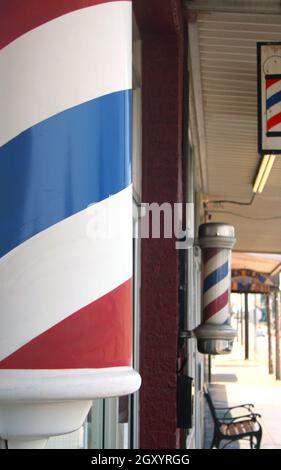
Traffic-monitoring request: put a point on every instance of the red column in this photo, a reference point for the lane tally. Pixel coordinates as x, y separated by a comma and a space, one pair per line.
162, 93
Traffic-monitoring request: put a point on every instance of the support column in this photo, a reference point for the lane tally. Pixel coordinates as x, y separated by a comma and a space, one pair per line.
269, 333
246, 326
162, 94
241, 319
2, 444
277, 336
209, 368
255, 328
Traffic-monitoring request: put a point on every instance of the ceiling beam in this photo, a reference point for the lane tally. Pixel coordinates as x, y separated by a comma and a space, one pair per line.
195, 70
235, 6
158, 17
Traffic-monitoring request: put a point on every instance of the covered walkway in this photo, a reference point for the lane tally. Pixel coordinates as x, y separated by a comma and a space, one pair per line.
236, 381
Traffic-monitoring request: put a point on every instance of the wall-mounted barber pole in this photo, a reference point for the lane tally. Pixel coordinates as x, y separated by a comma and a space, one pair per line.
65, 267
215, 335
269, 98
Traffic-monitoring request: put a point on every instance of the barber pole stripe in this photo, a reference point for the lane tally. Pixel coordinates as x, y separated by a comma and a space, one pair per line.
216, 285
54, 274
217, 311
208, 254
209, 265
102, 169
63, 63
78, 341
65, 184
18, 16
273, 104
217, 290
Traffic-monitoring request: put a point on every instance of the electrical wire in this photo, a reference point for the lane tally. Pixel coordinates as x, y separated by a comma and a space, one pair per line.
220, 202
244, 216
238, 203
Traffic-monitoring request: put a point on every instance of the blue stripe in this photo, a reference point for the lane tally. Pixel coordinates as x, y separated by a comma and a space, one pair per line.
60, 166
240, 286
215, 277
261, 278
273, 99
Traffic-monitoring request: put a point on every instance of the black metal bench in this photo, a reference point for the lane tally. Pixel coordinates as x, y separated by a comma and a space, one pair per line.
228, 427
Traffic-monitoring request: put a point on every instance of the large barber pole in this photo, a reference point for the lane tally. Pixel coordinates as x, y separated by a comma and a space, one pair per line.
65, 213
215, 335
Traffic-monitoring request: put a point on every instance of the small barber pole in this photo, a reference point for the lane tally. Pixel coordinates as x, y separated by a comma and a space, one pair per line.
273, 105
215, 335
269, 98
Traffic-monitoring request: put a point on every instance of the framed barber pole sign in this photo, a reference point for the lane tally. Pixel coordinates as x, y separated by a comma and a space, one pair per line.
269, 97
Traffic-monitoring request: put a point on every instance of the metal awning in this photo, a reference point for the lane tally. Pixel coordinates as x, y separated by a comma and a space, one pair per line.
269, 263
223, 109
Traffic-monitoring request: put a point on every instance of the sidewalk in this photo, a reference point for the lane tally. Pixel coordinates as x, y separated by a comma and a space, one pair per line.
236, 381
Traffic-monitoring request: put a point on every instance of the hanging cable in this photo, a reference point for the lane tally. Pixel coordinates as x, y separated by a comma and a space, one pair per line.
245, 216
226, 201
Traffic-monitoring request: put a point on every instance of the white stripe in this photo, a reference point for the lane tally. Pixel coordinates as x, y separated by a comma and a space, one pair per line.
216, 290
63, 269
213, 263
220, 317
275, 109
65, 62
273, 89
276, 128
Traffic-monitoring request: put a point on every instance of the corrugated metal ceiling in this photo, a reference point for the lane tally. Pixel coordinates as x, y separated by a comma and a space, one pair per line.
240, 6
229, 96
227, 60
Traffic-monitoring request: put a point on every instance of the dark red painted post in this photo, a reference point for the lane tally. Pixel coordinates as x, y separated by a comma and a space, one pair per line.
162, 93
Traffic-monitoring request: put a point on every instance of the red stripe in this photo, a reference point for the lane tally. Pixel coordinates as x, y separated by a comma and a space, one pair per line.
215, 306
19, 16
273, 121
97, 336
271, 81
210, 253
